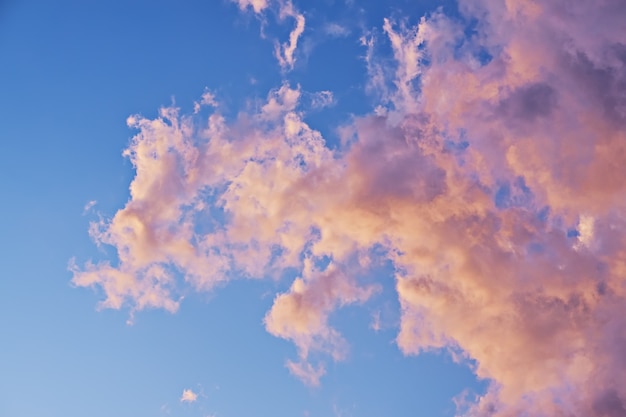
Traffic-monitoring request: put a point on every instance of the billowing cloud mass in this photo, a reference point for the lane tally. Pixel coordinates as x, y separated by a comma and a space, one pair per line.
491, 175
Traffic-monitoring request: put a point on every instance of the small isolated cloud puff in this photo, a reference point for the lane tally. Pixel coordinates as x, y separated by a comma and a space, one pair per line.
207, 99
188, 396
89, 206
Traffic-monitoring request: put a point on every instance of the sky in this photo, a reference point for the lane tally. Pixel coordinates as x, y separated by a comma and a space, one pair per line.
336, 208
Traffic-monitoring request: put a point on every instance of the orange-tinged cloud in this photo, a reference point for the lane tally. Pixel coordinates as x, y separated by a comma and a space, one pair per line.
491, 176
188, 396
301, 315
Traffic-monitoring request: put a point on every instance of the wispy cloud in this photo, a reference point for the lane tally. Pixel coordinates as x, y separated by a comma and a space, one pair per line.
321, 99
336, 30
306, 372
285, 51
375, 324
492, 181
207, 99
89, 206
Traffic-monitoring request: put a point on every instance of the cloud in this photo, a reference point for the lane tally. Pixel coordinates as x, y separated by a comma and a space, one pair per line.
301, 315
89, 206
375, 322
257, 5
306, 372
284, 52
336, 30
322, 99
207, 99
490, 177
188, 396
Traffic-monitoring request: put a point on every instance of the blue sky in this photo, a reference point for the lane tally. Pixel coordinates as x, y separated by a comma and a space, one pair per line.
384, 223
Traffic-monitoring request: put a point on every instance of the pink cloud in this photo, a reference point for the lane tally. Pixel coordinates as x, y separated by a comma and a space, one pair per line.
257, 5
301, 315
306, 372
285, 51
485, 154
